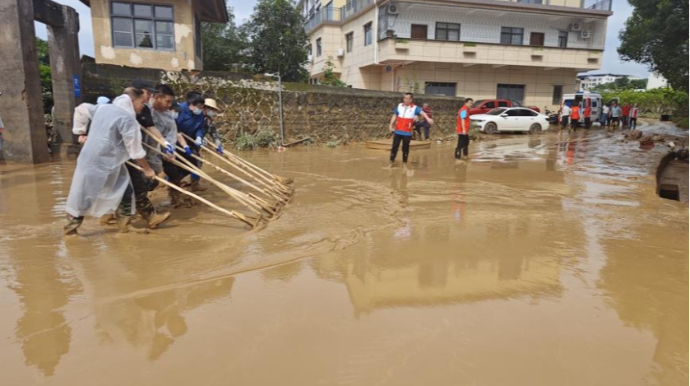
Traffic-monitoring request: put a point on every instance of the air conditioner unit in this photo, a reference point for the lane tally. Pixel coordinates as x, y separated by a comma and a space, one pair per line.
341, 52
585, 34
393, 9
576, 27
310, 58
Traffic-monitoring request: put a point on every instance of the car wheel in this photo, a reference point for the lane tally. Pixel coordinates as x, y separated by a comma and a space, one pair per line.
490, 128
535, 128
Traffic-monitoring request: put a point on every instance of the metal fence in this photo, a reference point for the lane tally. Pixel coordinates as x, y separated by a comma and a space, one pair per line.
602, 5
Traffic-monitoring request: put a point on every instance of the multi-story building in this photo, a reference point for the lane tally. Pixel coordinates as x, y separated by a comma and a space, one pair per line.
588, 81
162, 34
529, 50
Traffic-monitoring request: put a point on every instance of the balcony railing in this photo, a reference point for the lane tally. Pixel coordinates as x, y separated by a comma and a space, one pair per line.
332, 14
602, 5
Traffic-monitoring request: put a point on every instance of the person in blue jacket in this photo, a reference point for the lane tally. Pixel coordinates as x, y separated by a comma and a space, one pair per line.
190, 121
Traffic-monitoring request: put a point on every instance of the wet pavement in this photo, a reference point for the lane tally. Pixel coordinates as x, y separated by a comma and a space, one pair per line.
545, 260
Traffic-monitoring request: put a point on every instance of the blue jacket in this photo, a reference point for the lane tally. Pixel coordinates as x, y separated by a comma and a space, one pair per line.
190, 124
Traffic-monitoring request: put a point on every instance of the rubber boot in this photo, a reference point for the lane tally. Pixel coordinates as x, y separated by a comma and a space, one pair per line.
107, 219
197, 187
155, 219
73, 223
123, 222
175, 198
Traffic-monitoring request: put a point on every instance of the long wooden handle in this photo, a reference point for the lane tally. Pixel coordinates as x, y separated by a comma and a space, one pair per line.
232, 213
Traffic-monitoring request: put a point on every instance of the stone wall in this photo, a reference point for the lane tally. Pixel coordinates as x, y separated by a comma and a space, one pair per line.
251, 105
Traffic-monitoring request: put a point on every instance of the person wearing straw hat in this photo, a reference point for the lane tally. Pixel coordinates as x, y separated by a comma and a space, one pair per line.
210, 111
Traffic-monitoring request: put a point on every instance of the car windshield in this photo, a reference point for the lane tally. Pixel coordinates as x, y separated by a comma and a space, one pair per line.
497, 111
517, 104
478, 103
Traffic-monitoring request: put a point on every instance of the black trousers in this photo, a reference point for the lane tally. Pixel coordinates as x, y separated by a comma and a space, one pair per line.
140, 188
564, 121
588, 122
633, 123
176, 174
405, 139
418, 129
463, 146
575, 123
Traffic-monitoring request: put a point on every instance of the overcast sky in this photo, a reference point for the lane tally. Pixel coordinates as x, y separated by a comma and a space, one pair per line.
621, 11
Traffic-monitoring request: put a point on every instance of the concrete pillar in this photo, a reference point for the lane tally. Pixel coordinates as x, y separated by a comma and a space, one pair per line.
63, 44
21, 104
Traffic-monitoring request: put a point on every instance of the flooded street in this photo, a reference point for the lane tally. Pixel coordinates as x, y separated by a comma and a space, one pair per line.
545, 260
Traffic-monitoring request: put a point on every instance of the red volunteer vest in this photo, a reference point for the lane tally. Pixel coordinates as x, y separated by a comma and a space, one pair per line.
575, 114
458, 128
406, 116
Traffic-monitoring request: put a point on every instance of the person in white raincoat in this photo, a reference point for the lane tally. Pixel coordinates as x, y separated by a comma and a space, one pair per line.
101, 180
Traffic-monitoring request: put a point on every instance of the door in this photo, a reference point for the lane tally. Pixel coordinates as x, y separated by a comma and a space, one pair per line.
488, 106
514, 92
510, 121
419, 31
526, 118
536, 39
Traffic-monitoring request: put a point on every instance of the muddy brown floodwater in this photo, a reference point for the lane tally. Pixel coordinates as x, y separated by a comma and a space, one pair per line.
546, 260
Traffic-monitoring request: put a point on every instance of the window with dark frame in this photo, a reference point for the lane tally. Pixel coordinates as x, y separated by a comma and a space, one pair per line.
137, 25
447, 31
318, 47
367, 34
563, 39
512, 35
557, 95
418, 31
349, 41
536, 39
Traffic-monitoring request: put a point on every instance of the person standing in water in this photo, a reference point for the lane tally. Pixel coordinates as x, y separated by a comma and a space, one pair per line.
401, 126
463, 129
101, 184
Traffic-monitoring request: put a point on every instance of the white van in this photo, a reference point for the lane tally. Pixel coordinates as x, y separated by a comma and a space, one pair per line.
591, 99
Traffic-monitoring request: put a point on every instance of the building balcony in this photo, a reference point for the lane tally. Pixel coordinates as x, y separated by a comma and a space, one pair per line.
336, 16
395, 51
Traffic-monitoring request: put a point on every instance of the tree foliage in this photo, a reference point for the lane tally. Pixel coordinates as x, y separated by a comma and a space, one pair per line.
653, 102
329, 78
657, 35
44, 72
224, 45
278, 40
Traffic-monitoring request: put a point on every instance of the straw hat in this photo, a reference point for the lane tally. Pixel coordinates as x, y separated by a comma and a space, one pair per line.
208, 102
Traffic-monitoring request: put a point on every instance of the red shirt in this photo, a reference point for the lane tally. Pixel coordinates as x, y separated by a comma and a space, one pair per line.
463, 118
588, 112
626, 110
633, 112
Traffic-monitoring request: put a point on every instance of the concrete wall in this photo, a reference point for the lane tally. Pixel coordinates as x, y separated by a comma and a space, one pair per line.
480, 82
182, 58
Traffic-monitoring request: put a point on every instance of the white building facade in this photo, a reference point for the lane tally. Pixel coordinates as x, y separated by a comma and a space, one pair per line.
531, 51
592, 80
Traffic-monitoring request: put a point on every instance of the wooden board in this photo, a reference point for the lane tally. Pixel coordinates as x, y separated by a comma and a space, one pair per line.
387, 144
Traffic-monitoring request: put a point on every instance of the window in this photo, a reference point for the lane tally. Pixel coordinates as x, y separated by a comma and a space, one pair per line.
510, 35
563, 39
502, 103
367, 34
349, 41
557, 95
513, 92
512, 113
439, 88
526, 113
536, 39
490, 105
448, 31
142, 26
318, 47
419, 31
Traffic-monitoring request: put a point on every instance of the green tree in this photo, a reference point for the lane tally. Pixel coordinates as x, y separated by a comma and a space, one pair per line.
44, 72
329, 78
657, 35
277, 40
224, 45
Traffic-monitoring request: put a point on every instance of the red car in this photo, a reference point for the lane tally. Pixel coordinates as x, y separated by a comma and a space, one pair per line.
483, 106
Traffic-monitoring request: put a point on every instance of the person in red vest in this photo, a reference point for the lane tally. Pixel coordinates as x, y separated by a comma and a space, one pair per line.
463, 128
401, 126
588, 113
575, 115
626, 115
633, 116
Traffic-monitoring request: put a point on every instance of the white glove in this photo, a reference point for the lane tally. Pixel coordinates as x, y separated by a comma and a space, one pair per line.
199, 141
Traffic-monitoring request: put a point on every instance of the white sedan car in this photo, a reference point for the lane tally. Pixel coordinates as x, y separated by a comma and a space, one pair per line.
510, 119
